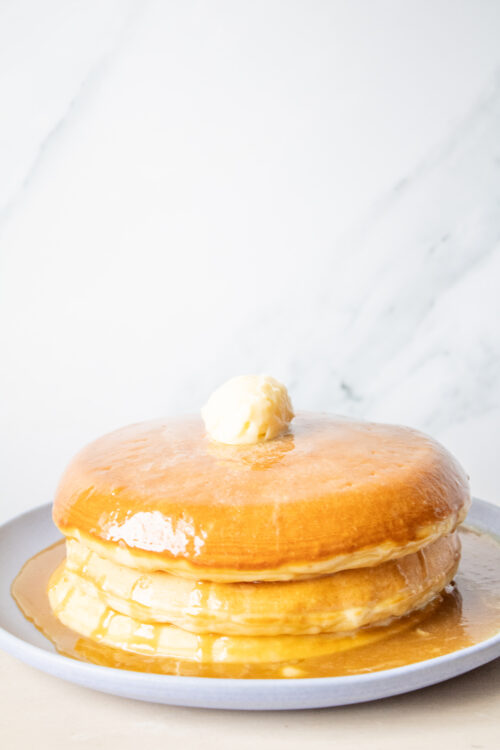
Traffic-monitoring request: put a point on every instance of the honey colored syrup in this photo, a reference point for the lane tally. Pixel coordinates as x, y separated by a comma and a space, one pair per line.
466, 613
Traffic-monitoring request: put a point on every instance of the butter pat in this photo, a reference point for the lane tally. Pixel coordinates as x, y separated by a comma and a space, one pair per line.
248, 409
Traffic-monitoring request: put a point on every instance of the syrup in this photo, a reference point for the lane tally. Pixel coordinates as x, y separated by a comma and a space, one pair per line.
464, 614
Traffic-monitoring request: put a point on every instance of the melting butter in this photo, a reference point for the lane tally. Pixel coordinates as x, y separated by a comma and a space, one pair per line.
248, 409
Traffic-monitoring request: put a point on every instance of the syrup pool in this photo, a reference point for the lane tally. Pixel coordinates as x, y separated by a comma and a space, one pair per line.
465, 614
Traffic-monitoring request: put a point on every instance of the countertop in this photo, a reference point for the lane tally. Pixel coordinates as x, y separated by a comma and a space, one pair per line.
43, 712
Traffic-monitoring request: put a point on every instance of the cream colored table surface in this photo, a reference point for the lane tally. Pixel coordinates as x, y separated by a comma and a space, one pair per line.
38, 711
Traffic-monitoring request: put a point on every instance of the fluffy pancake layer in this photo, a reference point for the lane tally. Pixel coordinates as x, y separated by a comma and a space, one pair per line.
80, 605
85, 612
342, 602
332, 494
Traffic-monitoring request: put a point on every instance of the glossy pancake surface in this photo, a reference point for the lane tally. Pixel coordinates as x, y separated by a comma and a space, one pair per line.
332, 494
341, 602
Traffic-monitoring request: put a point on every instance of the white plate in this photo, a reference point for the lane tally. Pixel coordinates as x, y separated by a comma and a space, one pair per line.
26, 535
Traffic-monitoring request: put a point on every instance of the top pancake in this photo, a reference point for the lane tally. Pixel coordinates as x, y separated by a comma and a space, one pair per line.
331, 494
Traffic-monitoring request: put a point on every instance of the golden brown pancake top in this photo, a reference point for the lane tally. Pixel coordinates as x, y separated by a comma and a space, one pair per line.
331, 488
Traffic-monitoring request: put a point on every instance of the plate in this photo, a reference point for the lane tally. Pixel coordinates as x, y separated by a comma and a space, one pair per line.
27, 534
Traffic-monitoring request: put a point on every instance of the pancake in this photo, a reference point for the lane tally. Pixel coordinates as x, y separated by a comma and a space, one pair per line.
254, 540
337, 603
331, 494
82, 609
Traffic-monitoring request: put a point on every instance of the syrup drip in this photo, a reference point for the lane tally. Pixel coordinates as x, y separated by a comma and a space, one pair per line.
466, 613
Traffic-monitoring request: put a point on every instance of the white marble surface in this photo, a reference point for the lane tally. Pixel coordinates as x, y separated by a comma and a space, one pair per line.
192, 190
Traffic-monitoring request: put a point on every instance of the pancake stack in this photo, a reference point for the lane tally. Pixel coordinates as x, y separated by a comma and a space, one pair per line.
184, 547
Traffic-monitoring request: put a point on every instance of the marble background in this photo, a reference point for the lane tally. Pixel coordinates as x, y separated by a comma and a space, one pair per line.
191, 190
